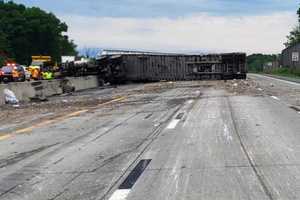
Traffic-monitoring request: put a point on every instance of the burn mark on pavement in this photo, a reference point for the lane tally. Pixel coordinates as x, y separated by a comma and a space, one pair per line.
135, 174
179, 116
125, 188
295, 108
176, 101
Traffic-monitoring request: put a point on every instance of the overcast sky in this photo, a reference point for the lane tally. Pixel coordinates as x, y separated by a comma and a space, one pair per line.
250, 26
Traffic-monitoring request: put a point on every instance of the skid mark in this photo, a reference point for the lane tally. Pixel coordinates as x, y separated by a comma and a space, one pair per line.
21, 156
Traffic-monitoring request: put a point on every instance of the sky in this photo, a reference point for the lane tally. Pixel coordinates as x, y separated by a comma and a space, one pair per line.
251, 26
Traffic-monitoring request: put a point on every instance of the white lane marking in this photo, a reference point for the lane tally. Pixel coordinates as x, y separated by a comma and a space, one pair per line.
173, 123
190, 101
120, 194
157, 124
227, 133
276, 98
276, 79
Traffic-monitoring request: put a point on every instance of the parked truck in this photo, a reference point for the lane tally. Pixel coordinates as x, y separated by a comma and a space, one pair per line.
42, 67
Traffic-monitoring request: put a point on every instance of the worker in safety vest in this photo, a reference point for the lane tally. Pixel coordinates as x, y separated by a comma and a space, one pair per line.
15, 74
35, 73
47, 75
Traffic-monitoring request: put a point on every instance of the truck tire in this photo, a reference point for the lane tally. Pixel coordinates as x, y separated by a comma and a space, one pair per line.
5, 80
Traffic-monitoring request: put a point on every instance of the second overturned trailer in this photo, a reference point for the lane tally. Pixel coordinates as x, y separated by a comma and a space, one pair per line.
171, 67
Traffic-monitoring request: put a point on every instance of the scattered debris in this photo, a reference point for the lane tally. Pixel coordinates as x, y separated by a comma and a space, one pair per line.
242, 87
10, 97
73, 102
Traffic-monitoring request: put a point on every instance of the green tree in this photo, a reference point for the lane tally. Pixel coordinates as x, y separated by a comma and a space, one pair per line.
294, 36
32, 31
4, 46
255, 62
68, 47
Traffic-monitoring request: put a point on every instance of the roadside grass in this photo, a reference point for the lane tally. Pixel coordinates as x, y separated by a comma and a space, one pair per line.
286, 72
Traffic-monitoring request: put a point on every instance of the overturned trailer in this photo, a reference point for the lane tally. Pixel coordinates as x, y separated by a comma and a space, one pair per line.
83, 67
172, 67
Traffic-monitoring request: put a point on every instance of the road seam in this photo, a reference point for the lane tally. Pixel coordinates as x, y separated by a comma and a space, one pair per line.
250, 160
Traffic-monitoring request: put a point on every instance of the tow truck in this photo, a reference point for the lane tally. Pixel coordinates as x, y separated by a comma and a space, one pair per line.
42, 67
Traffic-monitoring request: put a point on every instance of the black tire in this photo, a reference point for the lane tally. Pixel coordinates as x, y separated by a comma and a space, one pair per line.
5, 80
22, 79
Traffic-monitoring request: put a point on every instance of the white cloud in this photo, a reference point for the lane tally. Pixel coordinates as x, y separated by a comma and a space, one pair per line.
202, 32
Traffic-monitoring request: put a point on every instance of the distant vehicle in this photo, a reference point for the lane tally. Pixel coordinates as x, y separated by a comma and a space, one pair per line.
26, 72
67, 59
12, 72
6, 74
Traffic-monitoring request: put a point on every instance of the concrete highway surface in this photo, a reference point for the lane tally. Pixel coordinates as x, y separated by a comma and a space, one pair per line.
184, 141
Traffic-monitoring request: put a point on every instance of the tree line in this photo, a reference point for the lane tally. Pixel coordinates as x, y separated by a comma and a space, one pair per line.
256, 61
294, 36
27, 31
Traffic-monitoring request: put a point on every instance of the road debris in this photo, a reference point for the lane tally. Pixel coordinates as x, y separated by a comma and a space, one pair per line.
10, 97
242, 87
